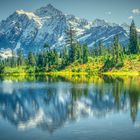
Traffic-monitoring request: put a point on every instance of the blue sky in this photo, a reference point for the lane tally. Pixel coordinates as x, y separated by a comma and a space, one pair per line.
118, 11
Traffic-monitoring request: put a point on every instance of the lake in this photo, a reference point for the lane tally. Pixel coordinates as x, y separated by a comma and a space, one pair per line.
75, 108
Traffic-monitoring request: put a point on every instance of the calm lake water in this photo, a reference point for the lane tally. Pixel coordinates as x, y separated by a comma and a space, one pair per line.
100, 108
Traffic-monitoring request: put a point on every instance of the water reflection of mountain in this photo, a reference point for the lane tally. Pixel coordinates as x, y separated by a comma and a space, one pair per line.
50, 106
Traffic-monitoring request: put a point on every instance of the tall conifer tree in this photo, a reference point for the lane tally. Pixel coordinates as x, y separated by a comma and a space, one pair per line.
133, 39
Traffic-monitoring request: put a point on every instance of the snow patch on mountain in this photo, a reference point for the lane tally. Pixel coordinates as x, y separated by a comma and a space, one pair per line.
31, 16
6, 53
84, 37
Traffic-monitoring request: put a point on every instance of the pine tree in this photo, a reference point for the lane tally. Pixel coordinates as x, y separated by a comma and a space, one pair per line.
40, 60
55, 57
31, 59
2, 68
133, 39
85, 53
100, 50
64, 57
117, 51
20, 60
70, 42
79, 52
47, 46
95, 49
139, 42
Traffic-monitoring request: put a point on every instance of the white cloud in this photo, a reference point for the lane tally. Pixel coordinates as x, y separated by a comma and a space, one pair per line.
108, 13
130, 17
136, 11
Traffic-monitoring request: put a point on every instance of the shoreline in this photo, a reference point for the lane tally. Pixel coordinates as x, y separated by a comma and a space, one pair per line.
59, 73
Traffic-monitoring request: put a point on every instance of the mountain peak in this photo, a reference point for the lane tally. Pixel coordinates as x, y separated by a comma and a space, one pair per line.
50, 6
48, 10
22, 12
99, 22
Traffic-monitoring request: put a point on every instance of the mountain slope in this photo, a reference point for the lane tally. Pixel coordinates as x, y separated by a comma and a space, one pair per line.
31, 30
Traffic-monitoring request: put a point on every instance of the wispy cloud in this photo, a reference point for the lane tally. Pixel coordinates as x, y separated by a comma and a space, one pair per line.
136, 11
108, 13
130, 17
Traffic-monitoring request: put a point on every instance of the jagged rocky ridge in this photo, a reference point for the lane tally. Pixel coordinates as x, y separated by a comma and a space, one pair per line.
31, 30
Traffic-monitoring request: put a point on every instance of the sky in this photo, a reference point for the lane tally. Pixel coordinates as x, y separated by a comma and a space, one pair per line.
117, 11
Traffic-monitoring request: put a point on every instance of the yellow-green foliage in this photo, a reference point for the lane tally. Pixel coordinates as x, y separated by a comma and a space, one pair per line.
15, 71
94, 66
131, 66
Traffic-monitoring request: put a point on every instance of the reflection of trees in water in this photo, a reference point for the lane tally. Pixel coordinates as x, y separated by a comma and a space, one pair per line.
117, 91
113, 86
121, 88
76, 94
1, 78
134, 95
59, 103
134, 98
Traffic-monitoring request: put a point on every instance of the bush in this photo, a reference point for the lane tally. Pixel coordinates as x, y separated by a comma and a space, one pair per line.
73, 70
109, 63
40, 69
119, 65
53, 70
79, 70
88, 70
30, 69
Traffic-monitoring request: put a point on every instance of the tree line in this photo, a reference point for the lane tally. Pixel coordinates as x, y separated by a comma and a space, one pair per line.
50, 59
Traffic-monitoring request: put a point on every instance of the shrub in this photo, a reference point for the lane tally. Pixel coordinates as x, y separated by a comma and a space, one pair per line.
109, 63
119, 65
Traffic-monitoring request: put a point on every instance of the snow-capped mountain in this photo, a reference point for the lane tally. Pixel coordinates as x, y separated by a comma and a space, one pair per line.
31, 30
